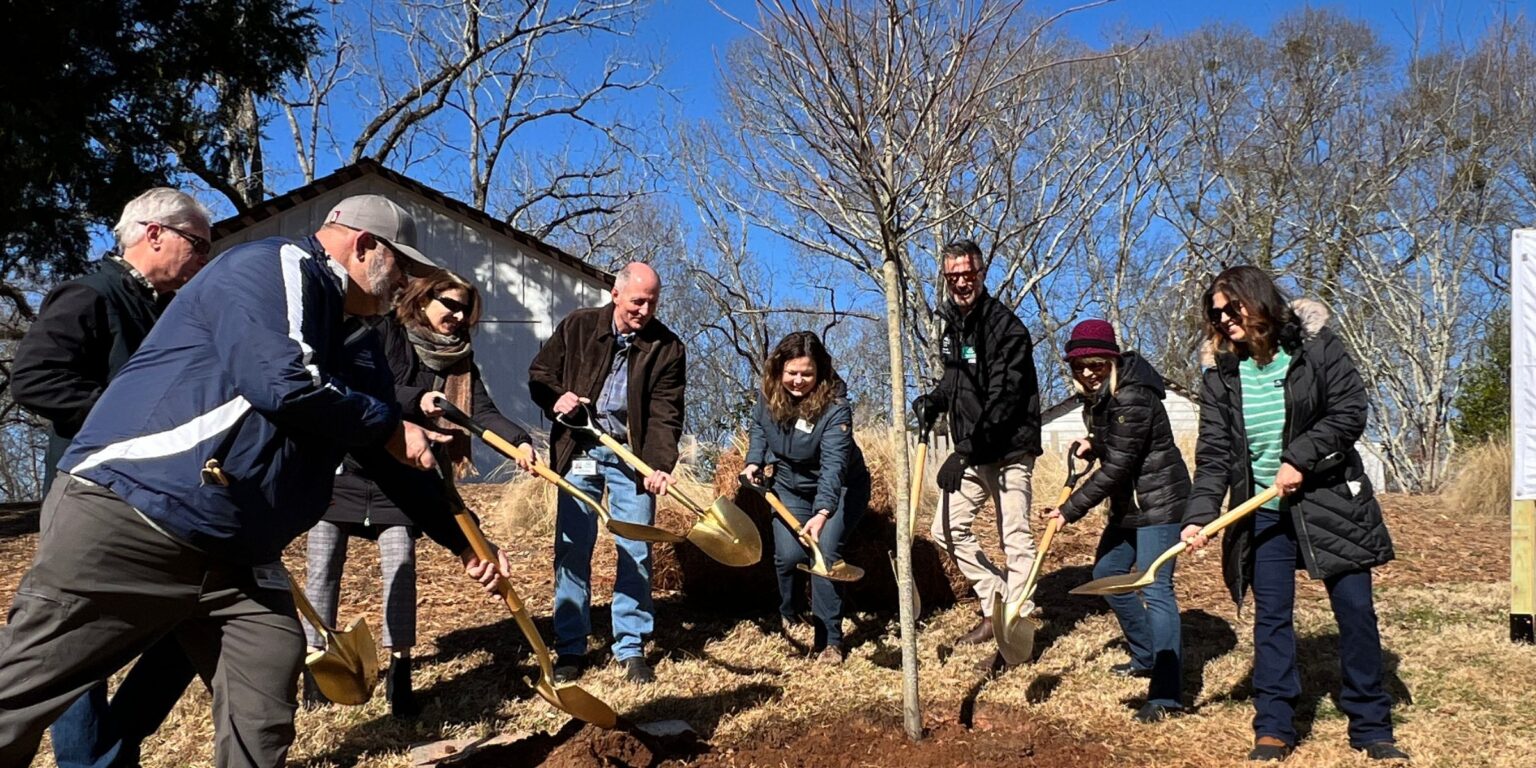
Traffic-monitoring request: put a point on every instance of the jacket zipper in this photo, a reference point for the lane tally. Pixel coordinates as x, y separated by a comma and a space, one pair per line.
1299, 521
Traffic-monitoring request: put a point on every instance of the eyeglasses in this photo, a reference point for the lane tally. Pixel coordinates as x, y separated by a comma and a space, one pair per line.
1232, 309
452, 305
969, 275
200, 245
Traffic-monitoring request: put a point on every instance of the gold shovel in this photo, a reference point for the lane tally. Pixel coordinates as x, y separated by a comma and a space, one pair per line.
348, 667
636, 531
1013, 630
567, 697
913, 495
1130, 582
841, 570
723, 531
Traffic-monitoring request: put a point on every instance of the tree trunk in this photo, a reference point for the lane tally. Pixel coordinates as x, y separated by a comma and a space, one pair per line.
911, 706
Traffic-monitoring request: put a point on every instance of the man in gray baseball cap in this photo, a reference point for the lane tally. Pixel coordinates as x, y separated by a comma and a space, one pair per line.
381, 217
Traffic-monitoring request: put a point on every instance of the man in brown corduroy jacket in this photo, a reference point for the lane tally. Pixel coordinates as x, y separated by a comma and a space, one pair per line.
629, 369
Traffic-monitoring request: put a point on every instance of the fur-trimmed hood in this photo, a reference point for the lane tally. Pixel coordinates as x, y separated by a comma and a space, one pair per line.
1312, 316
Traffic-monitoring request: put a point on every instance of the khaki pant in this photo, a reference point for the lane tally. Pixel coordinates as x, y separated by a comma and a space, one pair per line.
104, 587
1007, 486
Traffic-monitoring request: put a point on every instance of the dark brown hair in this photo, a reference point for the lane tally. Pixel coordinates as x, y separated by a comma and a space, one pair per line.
411, 310
829, 385
1269, 312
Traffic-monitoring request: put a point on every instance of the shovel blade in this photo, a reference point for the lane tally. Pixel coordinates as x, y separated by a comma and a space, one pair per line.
348, 668
727, 535
1013, 630
642, 532
841, 570
1118, 584
574, 700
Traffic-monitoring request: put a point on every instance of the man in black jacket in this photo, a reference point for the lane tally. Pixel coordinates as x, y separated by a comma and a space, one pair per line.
86, 330
992, 397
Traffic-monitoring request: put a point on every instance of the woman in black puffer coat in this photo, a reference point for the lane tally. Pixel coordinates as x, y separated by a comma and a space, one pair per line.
1283, 405
1144, 478
428, 348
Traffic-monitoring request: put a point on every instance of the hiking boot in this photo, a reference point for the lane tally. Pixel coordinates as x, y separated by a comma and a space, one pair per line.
637, 671
1153, 713
1128, 669
830, 656
981, 633
313, 698
1268, 749
1384, 750
397, 689
569, 666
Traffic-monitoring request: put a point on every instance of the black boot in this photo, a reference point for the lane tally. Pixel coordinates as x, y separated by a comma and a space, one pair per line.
312, 696
397, 688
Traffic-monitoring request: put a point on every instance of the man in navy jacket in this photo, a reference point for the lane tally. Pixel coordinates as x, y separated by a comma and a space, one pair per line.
212, 449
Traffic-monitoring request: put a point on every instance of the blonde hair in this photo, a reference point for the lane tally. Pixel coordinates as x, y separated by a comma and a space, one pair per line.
1112, 386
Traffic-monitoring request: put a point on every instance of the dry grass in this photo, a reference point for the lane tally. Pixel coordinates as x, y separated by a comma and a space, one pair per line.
1480, 479
1463, 692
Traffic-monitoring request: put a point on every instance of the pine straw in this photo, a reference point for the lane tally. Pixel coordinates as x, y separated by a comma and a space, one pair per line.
1464, 693
1480, 479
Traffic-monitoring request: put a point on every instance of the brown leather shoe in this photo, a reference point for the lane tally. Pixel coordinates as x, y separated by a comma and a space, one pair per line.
830, 656
981, 633
1267, 749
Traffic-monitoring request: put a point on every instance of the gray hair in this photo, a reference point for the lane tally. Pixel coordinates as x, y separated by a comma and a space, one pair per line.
161, 205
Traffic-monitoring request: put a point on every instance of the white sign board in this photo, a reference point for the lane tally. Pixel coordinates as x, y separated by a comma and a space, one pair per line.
1522, 339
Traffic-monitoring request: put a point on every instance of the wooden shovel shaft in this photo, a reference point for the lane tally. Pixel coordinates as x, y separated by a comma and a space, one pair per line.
1215, 526
916, 492
794, 525
542, 470
631, 459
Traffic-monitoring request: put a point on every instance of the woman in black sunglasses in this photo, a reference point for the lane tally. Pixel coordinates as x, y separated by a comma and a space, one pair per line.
1283, 405
427, 344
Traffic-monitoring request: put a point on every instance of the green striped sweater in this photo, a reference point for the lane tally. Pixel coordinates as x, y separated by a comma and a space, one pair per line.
1264, 417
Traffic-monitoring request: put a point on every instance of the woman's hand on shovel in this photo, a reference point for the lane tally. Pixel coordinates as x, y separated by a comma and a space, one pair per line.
484, 571
1192, 538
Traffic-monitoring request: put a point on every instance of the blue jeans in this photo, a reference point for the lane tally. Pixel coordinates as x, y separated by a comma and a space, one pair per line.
1149, 618
576, 535
1276, 679
826, 595
94, 733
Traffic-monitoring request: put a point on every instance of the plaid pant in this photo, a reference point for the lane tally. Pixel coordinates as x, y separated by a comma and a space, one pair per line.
397, 567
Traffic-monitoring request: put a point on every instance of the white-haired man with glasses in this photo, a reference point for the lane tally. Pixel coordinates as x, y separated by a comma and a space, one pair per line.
85, 331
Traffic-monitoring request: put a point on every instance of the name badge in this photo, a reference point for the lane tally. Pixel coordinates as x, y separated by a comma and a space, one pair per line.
805, 426
968, 354
270, 576
584, 467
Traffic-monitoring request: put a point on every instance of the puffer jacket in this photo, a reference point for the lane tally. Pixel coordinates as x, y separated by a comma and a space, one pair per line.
1338, 520
1141, 470
989, 388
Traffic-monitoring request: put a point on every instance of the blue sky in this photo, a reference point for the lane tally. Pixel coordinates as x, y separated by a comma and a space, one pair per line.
693, 33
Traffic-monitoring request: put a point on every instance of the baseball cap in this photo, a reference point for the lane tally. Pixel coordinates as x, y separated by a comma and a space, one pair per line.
381, 217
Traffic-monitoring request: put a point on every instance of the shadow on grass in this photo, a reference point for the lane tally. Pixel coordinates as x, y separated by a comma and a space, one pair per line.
1318, 660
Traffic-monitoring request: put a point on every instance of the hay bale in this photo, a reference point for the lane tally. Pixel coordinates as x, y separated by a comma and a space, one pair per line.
706, 583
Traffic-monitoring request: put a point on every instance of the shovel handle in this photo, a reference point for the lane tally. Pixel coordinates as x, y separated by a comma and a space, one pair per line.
626, 455
1241, 511
516, 452
916, 491
301, 601
789, 519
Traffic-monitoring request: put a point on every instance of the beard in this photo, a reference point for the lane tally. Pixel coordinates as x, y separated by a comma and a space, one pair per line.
383, 283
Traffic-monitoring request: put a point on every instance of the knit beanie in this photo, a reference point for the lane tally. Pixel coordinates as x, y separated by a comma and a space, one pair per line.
1092, 338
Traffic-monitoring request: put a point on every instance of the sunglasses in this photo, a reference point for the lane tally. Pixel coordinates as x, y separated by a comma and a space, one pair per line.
452, 305
1232, 309
969, 275
200, 245
1097, 366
